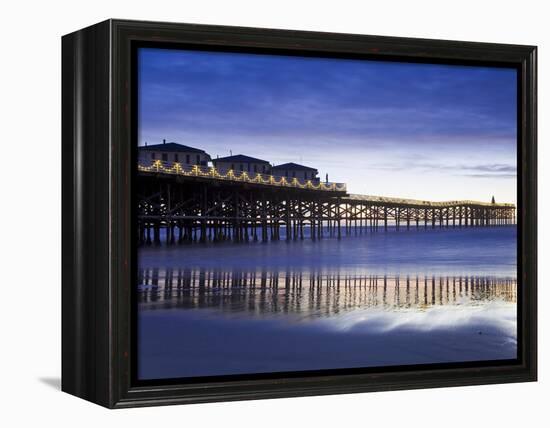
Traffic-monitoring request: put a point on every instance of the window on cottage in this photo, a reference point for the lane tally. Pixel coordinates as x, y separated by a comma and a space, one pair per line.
176, 157
187, 159
242, 167
305, 175
198, 159
255, 168
153, 155
232, 166
165, 157
294, 174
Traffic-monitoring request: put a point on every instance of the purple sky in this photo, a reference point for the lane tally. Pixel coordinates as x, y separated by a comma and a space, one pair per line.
425, 131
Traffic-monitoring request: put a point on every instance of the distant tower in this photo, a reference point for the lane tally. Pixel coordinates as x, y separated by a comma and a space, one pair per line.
326, 178
493, 200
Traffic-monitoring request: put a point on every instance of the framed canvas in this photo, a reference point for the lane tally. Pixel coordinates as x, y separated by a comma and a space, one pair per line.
253, 213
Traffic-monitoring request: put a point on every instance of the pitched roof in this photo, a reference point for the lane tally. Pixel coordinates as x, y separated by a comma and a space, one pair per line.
171, 147
239, 158
293, 166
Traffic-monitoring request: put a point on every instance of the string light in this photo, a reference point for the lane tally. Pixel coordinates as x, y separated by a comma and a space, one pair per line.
197, 171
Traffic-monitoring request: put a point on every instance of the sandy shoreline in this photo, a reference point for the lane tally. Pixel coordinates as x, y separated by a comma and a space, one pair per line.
184, 343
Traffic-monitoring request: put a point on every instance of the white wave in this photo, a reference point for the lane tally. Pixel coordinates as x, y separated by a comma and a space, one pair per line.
491, 316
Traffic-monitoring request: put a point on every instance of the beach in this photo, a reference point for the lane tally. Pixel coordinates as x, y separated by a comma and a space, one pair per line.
371, 300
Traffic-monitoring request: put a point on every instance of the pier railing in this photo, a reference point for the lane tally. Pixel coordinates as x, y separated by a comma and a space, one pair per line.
239, 176
427, 204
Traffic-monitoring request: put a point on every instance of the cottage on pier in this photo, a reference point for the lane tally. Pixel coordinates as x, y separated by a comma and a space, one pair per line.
242, 163
170, 153
293, 170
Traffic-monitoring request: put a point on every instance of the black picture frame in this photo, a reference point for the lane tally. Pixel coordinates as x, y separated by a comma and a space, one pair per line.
98, 246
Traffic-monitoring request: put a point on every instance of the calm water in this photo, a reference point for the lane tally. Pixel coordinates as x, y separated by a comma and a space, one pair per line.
372, 299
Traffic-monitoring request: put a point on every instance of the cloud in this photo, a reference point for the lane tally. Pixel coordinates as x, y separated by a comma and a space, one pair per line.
496, 168
489, 170
261, 95
491, 175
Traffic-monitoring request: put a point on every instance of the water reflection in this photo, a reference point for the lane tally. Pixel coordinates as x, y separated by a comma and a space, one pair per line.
260, 293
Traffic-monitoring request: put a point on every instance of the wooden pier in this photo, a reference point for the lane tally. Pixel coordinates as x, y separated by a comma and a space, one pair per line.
201, 205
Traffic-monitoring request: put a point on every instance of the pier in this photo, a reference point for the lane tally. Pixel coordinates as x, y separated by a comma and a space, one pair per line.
200, 204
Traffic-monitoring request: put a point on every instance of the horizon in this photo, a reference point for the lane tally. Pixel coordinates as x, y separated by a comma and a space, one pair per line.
395, 129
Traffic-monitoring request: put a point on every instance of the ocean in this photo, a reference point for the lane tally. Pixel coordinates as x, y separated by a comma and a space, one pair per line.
370, 299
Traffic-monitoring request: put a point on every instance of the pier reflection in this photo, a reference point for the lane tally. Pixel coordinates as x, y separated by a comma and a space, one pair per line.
316, 295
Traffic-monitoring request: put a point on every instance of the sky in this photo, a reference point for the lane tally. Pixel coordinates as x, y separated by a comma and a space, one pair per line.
423, 131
